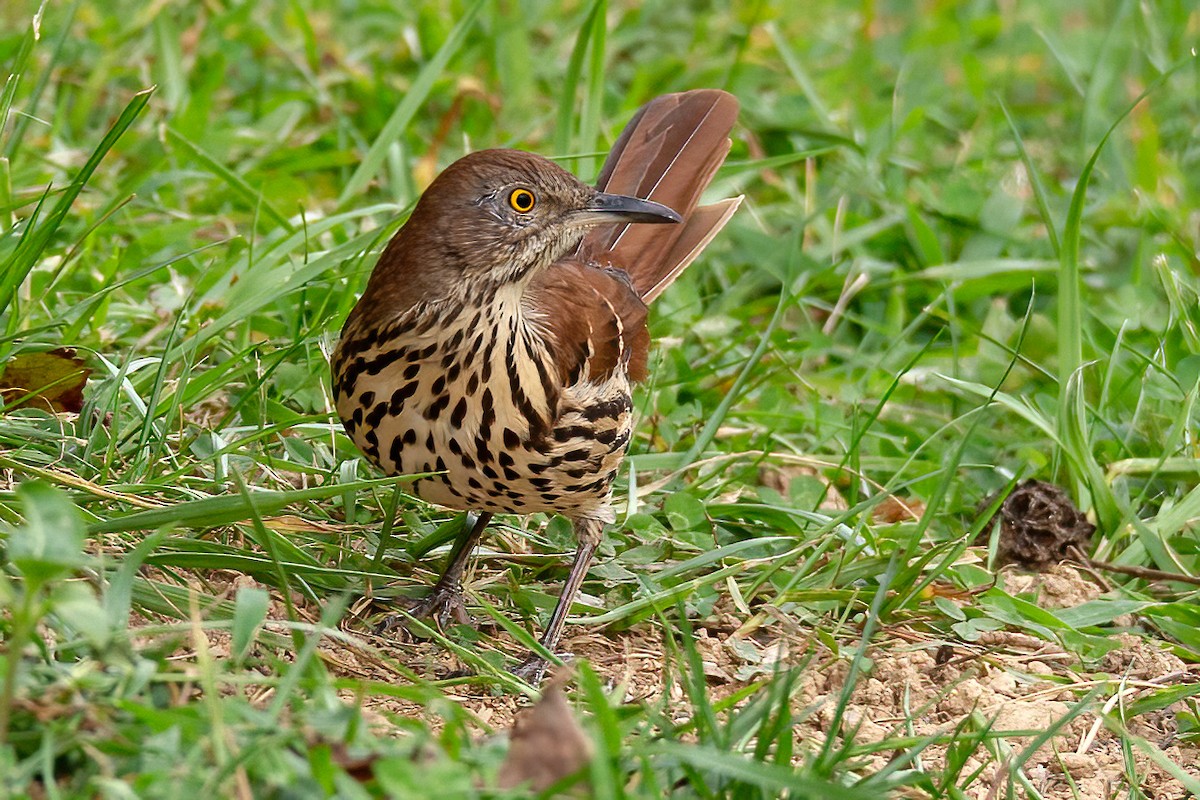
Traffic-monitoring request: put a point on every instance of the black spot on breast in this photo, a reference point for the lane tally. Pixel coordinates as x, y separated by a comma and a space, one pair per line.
489, 413
436, 408
474, 483
504, 459
357, 418
601, 483
410, 437
511, 439
439, 383
579, 454
549, 389
604, 437
571, 432
489, 473
610, 408
472, 384
376, 415
429, 351
366, 399
379, 362
394, 450
404, 392
454, 446
452, 373
429, 442
459, 414
482, 452
441, 465
511, 474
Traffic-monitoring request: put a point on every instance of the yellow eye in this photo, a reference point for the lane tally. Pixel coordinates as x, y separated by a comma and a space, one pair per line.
521, 200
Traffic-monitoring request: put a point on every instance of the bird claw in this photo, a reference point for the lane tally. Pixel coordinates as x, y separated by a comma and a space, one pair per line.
532, 670
441, 605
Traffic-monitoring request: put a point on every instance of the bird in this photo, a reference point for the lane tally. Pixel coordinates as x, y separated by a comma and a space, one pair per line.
494, 349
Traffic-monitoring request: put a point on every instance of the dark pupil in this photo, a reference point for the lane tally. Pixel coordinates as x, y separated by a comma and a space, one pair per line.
522, 200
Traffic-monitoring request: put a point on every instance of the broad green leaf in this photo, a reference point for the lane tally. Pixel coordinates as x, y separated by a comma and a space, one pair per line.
50, 543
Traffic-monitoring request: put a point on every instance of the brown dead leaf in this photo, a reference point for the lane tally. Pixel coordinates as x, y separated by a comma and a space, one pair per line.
546, 743
892, 510
52, 381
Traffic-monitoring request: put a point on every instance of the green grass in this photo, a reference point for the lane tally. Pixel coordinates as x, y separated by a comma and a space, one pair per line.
968, 256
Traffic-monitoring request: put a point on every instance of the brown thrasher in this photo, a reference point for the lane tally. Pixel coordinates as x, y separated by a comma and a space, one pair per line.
502, 328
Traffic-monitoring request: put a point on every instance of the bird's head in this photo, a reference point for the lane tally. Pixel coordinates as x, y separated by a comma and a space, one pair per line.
498, 216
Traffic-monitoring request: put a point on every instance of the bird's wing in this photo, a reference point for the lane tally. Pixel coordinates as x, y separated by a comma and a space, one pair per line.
594, 318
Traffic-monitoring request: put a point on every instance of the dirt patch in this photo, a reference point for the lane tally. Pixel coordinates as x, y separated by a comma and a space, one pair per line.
1010, 685
990, 696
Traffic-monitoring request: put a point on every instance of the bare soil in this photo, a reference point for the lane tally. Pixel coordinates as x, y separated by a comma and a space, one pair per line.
916, 686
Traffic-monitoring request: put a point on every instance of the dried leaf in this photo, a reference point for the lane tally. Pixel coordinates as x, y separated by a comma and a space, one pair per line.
892, 510
52, 381
546, 744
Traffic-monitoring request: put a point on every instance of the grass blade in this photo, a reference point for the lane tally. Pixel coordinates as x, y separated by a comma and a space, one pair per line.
409, 106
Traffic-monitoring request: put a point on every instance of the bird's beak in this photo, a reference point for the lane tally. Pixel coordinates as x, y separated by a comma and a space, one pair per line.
605, 208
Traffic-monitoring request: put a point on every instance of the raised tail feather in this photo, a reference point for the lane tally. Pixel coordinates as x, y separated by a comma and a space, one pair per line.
668, 153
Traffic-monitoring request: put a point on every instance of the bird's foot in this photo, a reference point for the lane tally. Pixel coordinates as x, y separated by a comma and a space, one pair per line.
443, 604
532, 670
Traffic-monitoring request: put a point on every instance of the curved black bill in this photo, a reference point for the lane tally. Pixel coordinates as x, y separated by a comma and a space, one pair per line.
605, 207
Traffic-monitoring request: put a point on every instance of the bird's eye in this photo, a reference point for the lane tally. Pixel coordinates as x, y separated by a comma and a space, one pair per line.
522, 200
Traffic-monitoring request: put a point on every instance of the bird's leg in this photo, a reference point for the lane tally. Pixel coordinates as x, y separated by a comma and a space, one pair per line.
533, 668
445, 599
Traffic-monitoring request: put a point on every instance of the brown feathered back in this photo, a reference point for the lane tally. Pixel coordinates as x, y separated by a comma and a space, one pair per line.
668, 153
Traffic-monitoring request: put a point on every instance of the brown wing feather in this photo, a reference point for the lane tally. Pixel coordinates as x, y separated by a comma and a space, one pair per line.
595, 319
669, 153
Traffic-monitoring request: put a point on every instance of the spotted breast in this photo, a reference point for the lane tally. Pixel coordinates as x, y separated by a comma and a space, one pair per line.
478, 398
